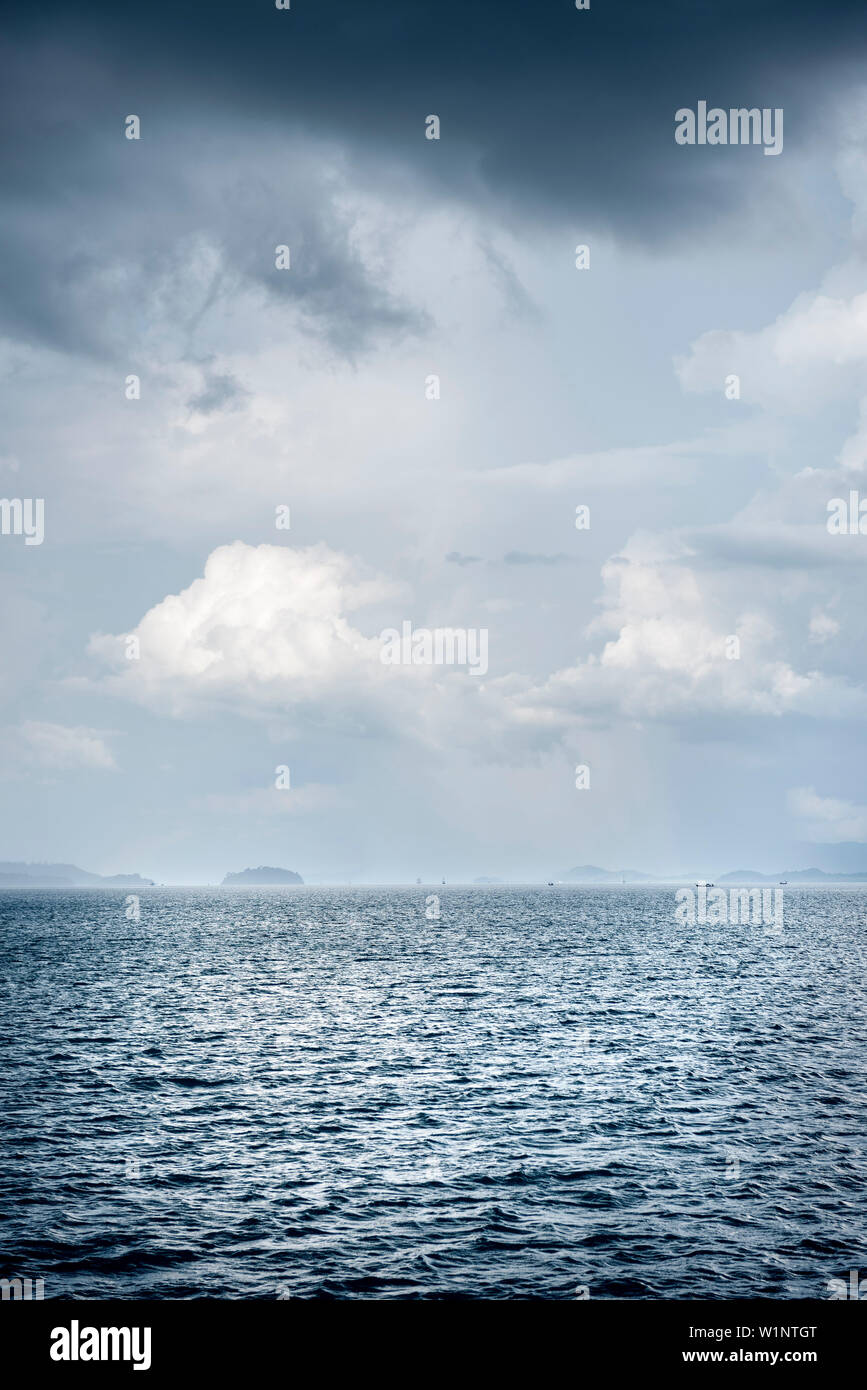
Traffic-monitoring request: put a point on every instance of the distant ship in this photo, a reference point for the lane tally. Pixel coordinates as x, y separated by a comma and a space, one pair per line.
704, 885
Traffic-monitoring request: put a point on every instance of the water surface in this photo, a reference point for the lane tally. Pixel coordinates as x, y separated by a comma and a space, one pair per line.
323, 1093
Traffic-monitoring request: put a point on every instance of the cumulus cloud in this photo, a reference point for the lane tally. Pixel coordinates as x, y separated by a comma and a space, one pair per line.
264, 627
267, 629
672, 654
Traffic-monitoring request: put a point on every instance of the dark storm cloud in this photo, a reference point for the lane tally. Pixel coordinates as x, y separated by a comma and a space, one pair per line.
547, 113
107, 241
572, 110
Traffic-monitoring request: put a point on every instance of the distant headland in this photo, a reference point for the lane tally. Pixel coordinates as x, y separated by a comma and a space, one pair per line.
19, 875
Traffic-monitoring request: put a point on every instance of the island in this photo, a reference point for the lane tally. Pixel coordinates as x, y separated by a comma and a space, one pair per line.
591, 873
262, 877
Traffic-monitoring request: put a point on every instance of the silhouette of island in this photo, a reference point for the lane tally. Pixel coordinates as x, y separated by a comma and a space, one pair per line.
591, 873
261, 877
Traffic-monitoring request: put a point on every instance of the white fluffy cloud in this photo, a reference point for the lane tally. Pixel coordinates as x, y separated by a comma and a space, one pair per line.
667, 658
267, 630
264, 627
270, 631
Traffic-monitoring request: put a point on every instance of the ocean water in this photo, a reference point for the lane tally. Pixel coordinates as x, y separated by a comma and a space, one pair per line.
321, 1093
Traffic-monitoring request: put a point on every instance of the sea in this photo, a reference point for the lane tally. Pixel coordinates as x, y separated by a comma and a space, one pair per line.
430, 1092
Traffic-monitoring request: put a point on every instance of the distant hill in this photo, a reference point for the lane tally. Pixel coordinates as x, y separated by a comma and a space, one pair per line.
20, 875
591, 873
261, 877
792, 876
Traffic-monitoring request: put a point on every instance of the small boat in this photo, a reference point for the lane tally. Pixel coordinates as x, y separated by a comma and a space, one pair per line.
704, 885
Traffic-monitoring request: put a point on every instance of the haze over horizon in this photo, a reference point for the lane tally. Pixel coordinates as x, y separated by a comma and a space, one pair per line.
586, 876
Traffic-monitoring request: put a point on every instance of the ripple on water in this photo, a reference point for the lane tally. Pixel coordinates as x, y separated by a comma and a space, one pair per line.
319, 1091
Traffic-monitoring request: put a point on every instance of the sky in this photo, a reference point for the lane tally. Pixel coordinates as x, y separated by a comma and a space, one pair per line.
427, 394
